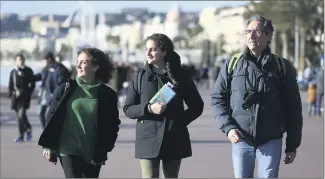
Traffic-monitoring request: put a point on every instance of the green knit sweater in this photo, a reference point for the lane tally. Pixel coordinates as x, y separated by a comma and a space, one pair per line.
80, 123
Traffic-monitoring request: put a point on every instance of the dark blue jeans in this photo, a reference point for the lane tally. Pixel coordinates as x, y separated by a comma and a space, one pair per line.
268, 157
312, 108
319, 103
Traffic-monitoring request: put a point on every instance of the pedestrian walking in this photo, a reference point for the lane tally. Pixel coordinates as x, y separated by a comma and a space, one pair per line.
255, 100
161, 127
83, 118
21, 87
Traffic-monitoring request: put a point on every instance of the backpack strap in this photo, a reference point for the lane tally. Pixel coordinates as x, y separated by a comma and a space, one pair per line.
233, 62
137, 79
281, 66
231, 67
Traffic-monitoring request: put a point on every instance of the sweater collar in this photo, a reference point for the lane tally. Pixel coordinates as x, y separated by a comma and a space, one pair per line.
90, 90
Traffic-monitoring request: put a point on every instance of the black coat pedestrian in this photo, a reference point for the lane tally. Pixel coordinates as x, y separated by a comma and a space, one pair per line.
107, 121
163, 136
21, 86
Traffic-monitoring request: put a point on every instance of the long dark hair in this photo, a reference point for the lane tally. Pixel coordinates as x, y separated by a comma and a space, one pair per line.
103, 60
172, 59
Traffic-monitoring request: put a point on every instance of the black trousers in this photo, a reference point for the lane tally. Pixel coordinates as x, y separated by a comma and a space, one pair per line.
75, 167
23, 123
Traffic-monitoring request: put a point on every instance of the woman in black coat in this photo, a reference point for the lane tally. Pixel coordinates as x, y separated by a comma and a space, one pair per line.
161, 129
83, 119
21, 87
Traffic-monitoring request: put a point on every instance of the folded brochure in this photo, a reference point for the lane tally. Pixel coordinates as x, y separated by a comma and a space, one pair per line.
164, 95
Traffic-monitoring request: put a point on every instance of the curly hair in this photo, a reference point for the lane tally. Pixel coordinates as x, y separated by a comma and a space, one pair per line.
172, 64
103, 60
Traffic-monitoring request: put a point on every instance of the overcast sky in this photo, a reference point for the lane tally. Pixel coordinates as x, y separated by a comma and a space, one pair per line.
67, 7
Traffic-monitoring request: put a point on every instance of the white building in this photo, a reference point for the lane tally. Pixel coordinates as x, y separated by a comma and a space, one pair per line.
154, 25
231, 25
16, 43
26, 42
228, 22
102, 30
173, 22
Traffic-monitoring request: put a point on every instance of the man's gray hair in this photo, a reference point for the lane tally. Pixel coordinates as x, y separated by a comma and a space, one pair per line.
267, 24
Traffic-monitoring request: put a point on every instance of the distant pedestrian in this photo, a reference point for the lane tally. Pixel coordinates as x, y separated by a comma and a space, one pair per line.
51, 77
312, 91
21, 87
320, 92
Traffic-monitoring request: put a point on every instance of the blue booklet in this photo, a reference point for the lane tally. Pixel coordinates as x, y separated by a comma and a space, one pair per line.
164, 95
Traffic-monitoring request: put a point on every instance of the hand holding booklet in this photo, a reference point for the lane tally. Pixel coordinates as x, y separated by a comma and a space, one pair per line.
164, 95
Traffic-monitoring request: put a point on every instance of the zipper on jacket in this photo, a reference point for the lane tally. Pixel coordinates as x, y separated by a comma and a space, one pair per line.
255, 121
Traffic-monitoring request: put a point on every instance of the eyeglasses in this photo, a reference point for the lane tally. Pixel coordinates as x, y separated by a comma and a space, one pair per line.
257, 32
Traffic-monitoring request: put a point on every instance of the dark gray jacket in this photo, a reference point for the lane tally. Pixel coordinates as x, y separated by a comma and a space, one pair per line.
278, 110
165, 135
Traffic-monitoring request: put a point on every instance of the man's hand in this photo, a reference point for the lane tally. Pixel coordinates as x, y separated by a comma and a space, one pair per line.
290, 157
233, 136
158, 108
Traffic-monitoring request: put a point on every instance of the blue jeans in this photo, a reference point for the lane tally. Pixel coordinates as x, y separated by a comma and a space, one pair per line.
312, 108
319, 103
268, 157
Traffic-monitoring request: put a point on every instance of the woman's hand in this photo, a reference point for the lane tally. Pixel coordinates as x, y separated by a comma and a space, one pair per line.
158, 108
47, 153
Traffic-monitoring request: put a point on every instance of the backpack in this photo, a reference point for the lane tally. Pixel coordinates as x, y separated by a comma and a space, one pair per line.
232, 65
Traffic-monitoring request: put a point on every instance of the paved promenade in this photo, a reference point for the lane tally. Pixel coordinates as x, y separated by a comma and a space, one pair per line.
211, 150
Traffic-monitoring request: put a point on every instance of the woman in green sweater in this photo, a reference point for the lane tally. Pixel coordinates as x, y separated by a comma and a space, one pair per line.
83, 118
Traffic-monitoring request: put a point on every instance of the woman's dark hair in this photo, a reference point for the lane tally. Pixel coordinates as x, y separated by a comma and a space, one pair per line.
22, 57
173, 64
103, 60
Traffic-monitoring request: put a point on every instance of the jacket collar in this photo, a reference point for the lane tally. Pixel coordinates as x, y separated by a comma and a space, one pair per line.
263, 61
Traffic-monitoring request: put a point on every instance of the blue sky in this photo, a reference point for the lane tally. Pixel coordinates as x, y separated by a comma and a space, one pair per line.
67, 7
